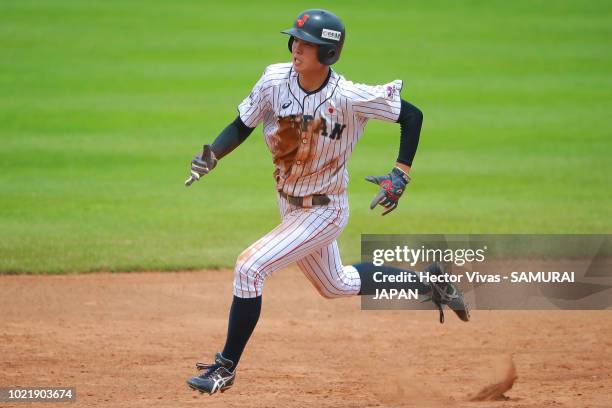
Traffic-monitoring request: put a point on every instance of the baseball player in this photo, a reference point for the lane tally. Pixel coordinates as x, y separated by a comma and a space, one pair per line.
312, 119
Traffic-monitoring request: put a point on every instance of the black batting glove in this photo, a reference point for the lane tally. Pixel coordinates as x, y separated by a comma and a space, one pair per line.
392, 187
202, 164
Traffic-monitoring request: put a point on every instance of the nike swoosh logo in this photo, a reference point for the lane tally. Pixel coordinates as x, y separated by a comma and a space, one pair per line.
286, 105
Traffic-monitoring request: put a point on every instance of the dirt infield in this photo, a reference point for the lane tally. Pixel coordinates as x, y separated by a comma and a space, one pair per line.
130, 340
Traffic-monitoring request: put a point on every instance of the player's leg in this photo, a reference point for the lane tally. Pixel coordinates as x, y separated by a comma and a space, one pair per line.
300, 232
325, 271
332, 279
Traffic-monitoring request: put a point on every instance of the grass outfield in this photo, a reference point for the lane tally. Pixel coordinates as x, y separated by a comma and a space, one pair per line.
104, 103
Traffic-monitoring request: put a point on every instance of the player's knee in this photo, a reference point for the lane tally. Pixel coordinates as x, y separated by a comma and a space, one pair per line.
247, 273
244, 256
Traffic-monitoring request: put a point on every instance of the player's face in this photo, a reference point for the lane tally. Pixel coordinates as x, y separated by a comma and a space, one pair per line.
305, 56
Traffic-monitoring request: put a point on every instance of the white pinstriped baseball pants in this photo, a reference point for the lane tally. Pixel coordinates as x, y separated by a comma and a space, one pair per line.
306, 236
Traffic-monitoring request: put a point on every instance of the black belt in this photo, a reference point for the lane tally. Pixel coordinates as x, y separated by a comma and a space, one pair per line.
308, 201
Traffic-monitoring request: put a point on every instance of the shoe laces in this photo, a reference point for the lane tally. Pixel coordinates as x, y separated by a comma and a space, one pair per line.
211, 369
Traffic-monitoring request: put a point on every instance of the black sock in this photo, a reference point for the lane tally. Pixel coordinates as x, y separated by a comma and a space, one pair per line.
369, 286
243, 318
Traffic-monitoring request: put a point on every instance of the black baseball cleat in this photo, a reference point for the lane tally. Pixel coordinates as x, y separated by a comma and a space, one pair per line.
446, 294
217, 377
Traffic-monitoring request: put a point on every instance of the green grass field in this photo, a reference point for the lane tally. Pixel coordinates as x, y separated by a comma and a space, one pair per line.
103, 104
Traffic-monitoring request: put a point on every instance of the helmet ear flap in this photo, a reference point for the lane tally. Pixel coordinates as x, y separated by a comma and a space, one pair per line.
290, 43
331, 54
328, 54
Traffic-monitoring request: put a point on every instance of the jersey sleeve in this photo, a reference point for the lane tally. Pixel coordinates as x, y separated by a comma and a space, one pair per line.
254, 106
379, 101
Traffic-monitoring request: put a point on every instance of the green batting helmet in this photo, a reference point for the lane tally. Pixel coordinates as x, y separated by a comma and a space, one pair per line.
320, 27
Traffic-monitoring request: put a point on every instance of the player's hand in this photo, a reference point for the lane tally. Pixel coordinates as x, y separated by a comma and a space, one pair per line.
202, 164
392, 187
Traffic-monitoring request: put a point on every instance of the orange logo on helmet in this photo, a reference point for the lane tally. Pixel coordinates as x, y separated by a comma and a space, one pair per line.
302, 21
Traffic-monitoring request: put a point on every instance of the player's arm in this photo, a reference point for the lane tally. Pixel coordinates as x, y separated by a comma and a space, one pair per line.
392, 185
410, 120
250, 113
230, 138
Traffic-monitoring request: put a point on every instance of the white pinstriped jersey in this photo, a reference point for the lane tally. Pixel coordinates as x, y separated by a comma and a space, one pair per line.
311, 135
